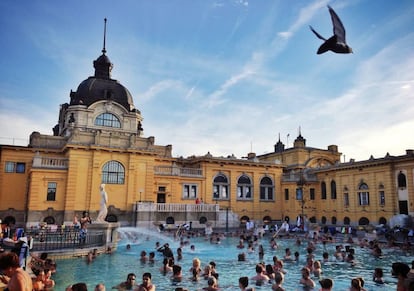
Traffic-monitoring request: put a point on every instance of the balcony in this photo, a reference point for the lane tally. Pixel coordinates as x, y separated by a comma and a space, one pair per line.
178, 171
176, 207
50, 162
297, 177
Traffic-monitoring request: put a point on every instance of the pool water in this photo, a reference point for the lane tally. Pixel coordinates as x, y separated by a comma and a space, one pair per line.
111, 269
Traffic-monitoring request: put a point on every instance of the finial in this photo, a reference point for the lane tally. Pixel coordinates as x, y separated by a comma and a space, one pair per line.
300, 132
104, 42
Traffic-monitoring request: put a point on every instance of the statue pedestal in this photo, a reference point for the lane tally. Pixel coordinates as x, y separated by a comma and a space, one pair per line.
110, 230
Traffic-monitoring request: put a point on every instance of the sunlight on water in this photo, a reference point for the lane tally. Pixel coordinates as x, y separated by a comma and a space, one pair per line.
113, 269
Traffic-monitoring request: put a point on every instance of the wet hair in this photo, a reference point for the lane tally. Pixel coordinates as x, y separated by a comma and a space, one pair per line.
146, 275
279, 277
176, 269
400, 269
79, 287
379, 272
326, 283
269, 269
9, 260
244, 281
356, 283
259, 268
211, 281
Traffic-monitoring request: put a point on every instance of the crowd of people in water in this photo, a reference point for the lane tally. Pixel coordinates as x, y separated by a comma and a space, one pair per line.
270, 276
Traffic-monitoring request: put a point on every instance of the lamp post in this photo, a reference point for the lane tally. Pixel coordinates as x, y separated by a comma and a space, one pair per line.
140, 194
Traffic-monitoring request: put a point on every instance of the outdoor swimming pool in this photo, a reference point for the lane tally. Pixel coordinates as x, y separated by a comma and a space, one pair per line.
113, 269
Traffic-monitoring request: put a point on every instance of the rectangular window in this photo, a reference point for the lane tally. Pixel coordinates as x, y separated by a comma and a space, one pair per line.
13, 167
266, 193
382, 198
363, 198
244, 192
190, 191
286, 194
333, 194
51, 191
312, 193
9, 168
299, 193
346, 199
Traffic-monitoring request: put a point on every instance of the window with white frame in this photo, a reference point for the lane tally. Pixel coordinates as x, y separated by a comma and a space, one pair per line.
363, 194
51, 191
190, 191
244, 188
220, 187
267, 189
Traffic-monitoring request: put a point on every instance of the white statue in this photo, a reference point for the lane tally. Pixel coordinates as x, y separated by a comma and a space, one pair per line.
104, 201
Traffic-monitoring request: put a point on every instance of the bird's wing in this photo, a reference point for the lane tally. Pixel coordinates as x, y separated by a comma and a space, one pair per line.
338, 27
317, 34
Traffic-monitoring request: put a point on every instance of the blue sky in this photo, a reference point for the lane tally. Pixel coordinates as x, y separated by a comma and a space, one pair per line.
221, 76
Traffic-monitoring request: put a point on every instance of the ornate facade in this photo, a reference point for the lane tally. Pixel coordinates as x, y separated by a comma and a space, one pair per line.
100, 139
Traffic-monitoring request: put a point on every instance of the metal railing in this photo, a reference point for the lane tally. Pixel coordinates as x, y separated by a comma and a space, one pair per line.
60, 239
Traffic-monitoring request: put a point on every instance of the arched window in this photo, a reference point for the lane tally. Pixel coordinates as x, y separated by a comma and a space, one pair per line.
107, 120
363, 194
9, 220
323, 190
49, 220
333, 189
244, 188
363, 221
111, 218
267, 219
266, 189
333, 220
220, 187
347, 221
244, 219
402, 180
382, 220
323, 220
113, 172
170, 220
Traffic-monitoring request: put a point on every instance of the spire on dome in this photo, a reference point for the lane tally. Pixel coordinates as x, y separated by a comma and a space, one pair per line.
104, 39
103, 65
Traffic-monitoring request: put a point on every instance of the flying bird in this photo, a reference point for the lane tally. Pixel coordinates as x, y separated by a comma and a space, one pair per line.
337, 42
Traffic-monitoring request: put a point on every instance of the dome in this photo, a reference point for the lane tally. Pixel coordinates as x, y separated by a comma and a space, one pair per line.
102, 87
95, 89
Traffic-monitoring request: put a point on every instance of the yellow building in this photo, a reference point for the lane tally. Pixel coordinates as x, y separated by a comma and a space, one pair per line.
100, 139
